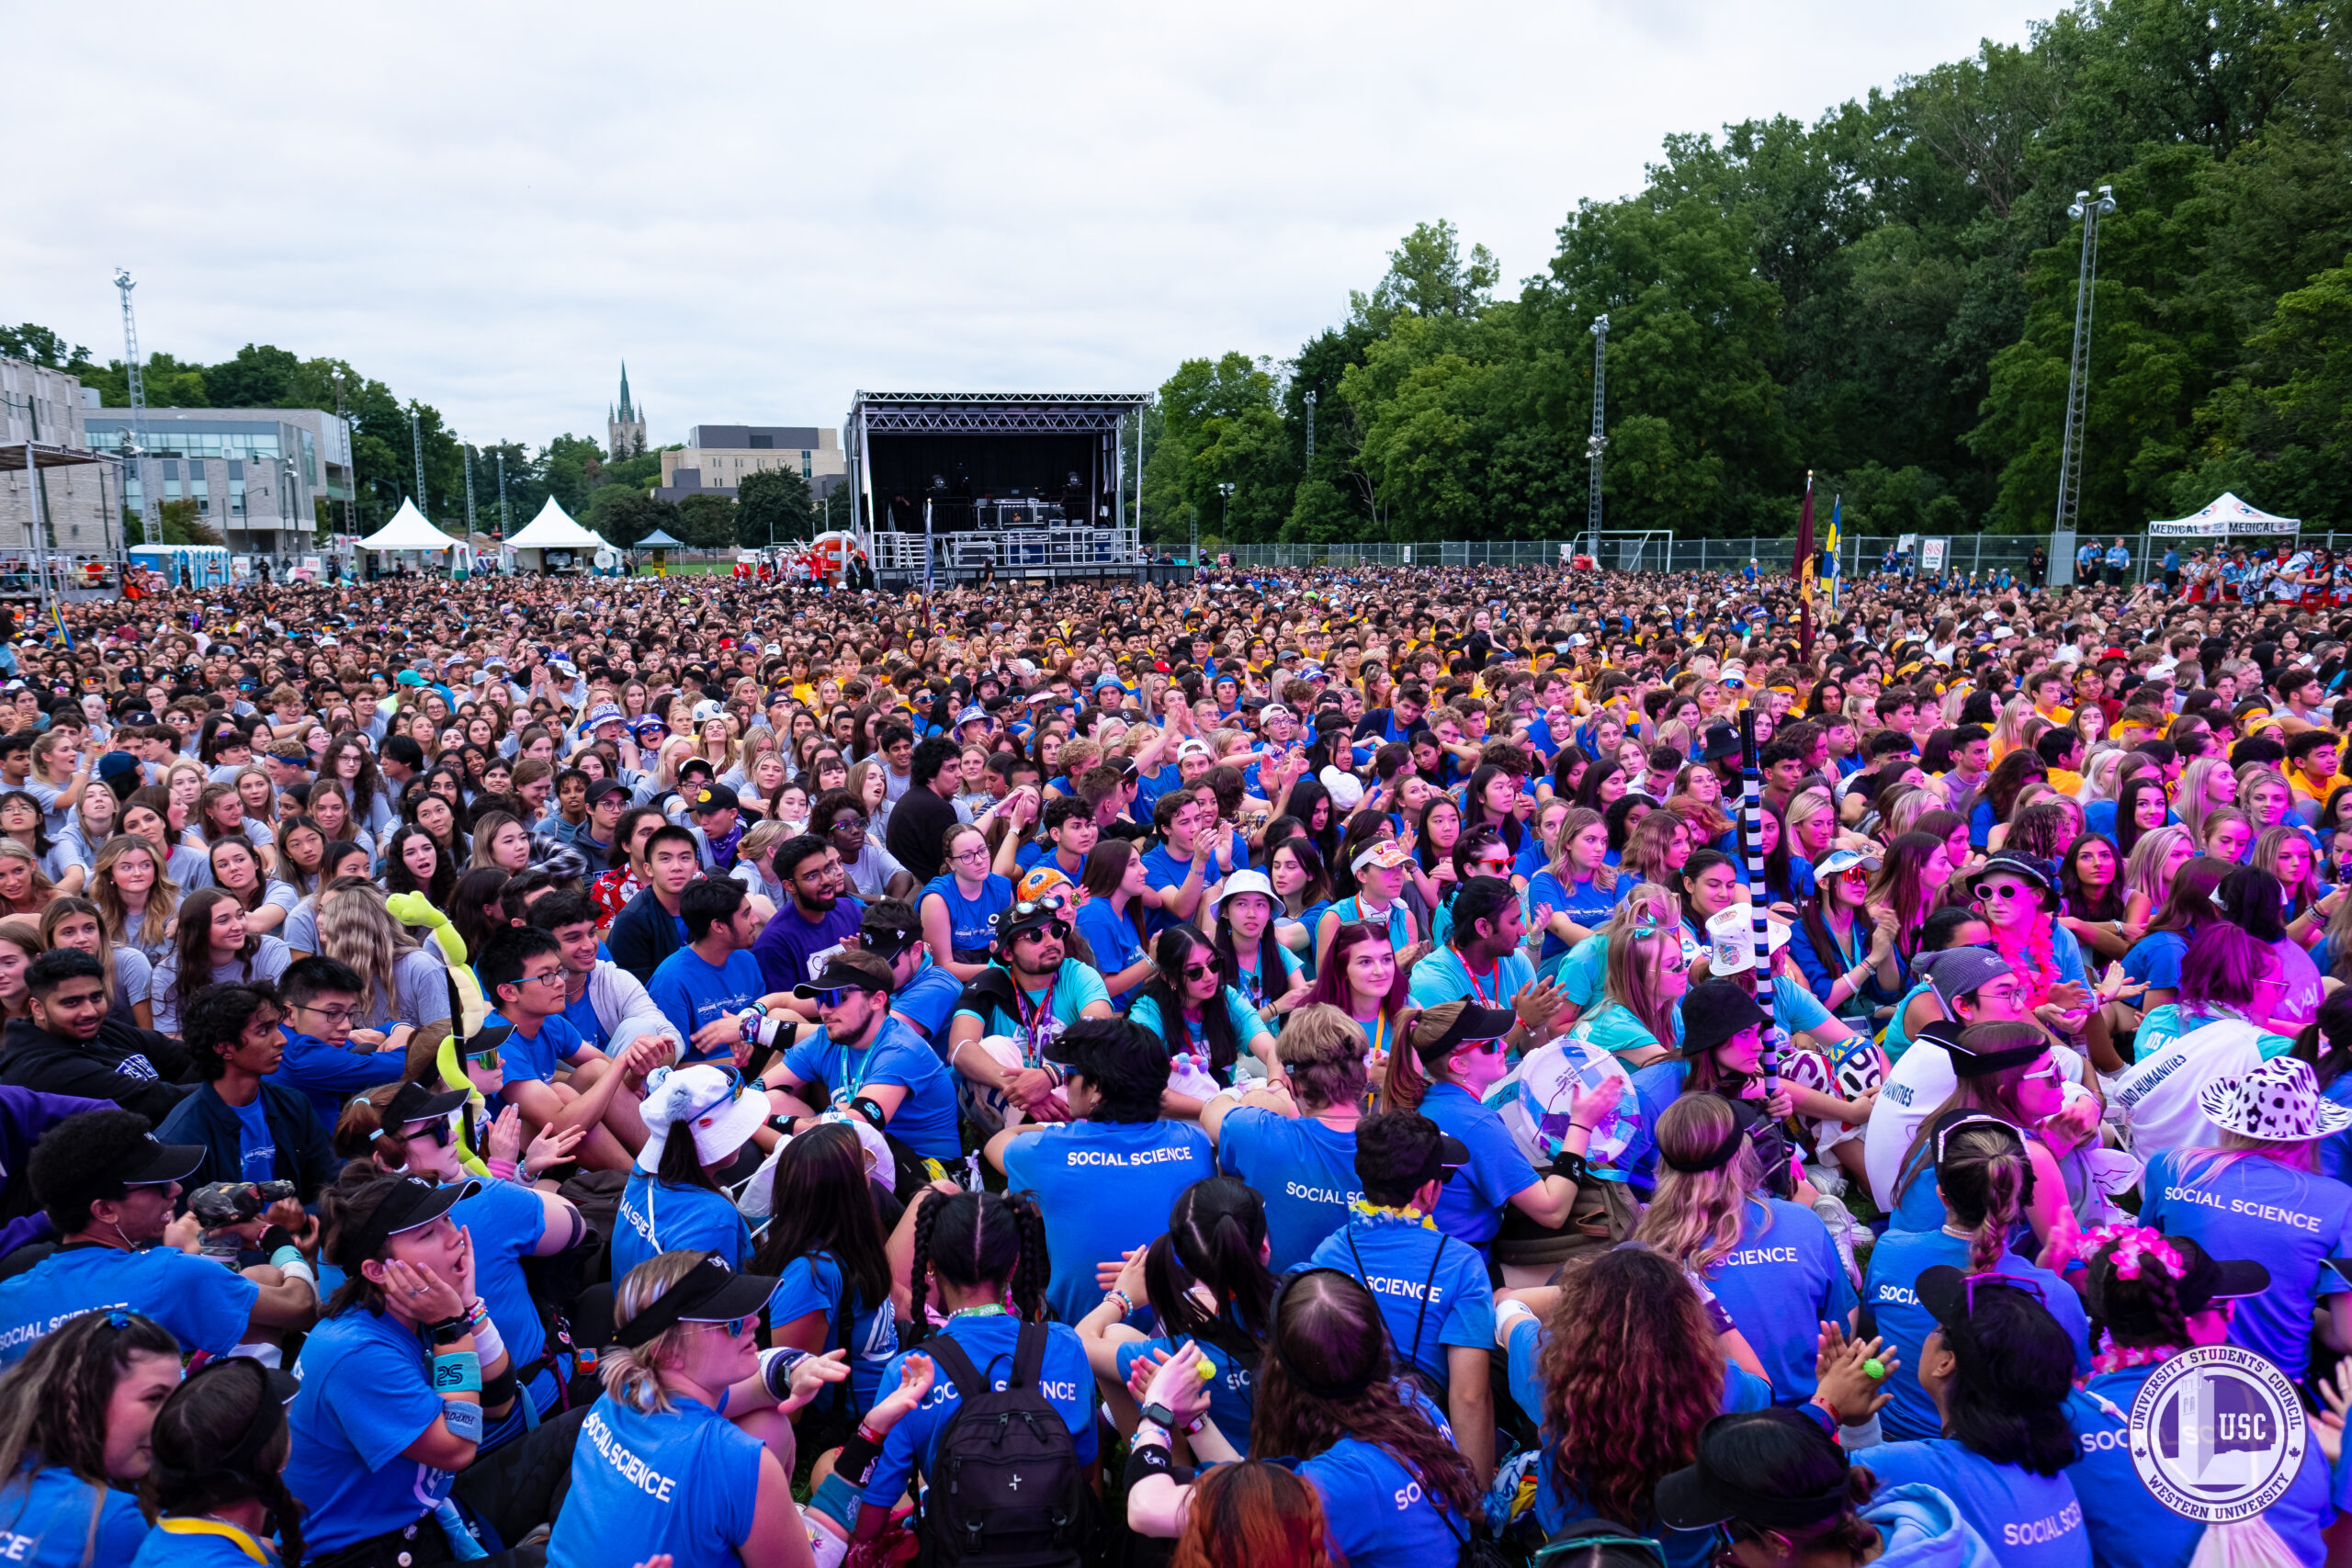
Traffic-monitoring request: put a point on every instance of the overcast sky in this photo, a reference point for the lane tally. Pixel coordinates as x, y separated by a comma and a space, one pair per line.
764, 209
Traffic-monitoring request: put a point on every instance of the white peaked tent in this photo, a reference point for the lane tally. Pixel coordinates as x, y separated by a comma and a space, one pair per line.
2226, 517
553, 529
408, 530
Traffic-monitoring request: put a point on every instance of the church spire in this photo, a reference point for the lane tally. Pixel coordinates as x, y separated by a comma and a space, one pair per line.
625, 412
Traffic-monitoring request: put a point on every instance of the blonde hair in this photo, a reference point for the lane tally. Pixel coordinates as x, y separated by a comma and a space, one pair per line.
2190, 802
1634, 959
1604, 876
1807, 805
162, 899
355, 929
1699, 1216
632, 1376
1323, 1048
2145, 873
43, 889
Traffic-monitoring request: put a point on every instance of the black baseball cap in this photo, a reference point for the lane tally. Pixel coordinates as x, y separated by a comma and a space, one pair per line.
887, 938
837, 976
159, 1162
413, 1202
599, 788
415, 1102
713, 797
1735, 1449
708, 1292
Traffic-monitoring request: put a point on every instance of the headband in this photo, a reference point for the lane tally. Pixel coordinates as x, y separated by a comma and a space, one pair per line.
1715, 1159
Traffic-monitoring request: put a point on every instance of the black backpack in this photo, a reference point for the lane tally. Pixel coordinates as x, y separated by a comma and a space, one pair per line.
1007, 1490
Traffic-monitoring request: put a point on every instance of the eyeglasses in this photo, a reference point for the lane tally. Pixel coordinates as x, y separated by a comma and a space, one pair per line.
971, 857
552, 977
332, 1015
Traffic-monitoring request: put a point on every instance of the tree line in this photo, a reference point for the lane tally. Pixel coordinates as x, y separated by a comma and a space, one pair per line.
1884, 296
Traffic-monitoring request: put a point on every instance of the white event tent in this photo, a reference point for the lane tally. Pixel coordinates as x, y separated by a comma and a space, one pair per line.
554, 529
408, 531
2227, 518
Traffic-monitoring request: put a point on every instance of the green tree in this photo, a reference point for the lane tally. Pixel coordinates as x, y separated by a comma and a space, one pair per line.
625, 517
180, 523
42, 346
571, 466
771, 507
706, 521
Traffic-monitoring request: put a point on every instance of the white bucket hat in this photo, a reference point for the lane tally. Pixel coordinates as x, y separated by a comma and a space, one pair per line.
710, 1101
1732, 934
2279, 1102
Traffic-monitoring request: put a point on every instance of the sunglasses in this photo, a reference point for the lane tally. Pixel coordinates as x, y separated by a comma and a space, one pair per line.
733, 1326
1198, 971
488, 1056
1991, 892
833, 996
441, 1129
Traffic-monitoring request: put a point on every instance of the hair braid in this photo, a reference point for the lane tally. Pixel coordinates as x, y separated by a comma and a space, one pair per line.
1031, 1273
918, 1271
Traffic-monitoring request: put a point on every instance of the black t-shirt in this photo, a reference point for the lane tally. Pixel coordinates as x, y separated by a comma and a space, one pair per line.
919, 825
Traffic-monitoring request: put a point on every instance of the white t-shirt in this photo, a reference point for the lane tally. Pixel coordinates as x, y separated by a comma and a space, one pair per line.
1919, 1084
2158, 1093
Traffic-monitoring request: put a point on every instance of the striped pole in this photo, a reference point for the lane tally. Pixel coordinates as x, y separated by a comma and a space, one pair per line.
1752, 834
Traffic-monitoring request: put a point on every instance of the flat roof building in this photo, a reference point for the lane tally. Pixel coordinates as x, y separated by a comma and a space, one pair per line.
268, 480
716, 456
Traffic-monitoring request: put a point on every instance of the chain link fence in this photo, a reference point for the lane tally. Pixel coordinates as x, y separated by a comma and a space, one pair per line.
1981, 555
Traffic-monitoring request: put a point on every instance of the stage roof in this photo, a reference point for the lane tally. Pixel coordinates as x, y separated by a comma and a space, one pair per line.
992, 414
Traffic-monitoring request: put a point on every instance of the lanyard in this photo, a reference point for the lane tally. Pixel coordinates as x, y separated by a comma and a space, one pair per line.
1032, 1022
228, 1533
1494, 979
1379, 1027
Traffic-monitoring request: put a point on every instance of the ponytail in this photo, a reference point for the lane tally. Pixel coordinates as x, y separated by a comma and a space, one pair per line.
1413, 1062
1987, 1180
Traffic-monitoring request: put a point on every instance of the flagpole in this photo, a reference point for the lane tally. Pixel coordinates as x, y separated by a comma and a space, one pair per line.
1807, 562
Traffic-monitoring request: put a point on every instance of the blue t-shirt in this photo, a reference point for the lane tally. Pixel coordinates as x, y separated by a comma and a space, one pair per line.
1782, 1280
685, 1483
2128, 1527
508, 1222
1064, 1377
45, 1520
813, 1284
971, 922
1240, 1017
1075, 987
691, 991
1471, 1205
2290, 1221
1443, 977
533, 1060
1113, 939
1303, 1170
1684, 1549
1105, 1187
1229, 1391
256, 1146
1252, 983
1586, 903
2029, 1520
1163, 871
367, 1395
1375, 1513
929, 1001
204, 1305
926, 1120
656, 1217
581, 1016
2154, 960
1889, 1290
1432, 1289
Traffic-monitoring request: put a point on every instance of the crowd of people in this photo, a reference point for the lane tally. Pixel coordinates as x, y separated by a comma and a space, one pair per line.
1293, 1068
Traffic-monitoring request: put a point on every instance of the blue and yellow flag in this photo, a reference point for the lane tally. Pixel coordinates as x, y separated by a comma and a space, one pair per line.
1829, 551
57, 614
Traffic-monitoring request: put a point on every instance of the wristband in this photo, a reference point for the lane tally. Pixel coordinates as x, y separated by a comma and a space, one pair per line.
1145, 1460
456, 1372
777, 1367
501, 1169
463, 1417
488, 1342
500, 1389
273, 1239
1510, 1310
1127, 1303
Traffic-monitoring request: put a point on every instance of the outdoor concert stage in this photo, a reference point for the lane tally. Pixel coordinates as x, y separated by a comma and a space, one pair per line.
1014, 485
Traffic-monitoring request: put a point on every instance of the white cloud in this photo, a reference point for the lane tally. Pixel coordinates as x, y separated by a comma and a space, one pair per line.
764, 207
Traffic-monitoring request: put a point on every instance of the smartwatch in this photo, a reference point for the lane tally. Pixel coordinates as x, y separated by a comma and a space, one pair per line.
1161, 1416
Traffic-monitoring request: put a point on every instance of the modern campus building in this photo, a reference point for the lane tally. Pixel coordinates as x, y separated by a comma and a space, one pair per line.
716, 456
268, 480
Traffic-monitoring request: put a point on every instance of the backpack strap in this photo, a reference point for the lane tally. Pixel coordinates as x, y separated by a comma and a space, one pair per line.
1028, 1358
951, 1358
1422, 1314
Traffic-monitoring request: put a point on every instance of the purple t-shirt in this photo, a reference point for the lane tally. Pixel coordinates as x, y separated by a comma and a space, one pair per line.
791, 939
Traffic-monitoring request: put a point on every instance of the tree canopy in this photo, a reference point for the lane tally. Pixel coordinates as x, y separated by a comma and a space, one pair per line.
1884, 296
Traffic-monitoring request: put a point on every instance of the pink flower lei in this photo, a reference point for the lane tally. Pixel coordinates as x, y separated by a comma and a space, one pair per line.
2131, 1248
2033, 956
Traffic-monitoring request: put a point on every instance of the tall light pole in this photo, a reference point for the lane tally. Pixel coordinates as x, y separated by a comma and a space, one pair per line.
468, 451
134, 445
1310, 427
416, 444
2070, 452
1596, 441
505, 518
